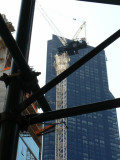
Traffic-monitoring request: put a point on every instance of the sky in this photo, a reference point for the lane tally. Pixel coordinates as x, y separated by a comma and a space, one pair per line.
102, 20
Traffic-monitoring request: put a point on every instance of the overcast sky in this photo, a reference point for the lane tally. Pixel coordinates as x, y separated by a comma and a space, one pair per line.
102, 20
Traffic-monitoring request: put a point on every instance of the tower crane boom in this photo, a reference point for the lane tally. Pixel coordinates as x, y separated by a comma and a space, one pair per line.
78, 31
69, 47
51, 24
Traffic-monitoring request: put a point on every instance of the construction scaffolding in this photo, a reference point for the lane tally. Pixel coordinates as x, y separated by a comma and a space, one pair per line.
13, 108
3, 54
5, 63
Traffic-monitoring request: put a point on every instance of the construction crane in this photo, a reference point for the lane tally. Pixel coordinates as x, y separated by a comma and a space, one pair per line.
71, 47
74, 45
62, 63
60, 130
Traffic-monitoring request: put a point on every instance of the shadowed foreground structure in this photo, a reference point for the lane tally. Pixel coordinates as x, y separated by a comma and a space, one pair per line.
12, 121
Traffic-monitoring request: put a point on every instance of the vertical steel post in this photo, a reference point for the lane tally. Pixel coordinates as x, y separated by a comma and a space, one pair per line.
9, 130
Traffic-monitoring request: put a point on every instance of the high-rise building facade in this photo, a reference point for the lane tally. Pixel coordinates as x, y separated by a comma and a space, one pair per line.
93, 136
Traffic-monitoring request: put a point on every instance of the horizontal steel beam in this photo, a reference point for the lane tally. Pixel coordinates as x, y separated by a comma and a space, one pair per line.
21, 62
113, 2
74, 111
71, 69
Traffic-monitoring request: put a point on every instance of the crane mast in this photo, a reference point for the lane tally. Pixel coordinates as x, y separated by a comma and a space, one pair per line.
61, 64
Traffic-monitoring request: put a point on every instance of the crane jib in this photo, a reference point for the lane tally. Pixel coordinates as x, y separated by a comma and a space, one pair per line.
72, 47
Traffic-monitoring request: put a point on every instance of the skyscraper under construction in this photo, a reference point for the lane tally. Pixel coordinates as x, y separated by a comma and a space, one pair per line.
93, 136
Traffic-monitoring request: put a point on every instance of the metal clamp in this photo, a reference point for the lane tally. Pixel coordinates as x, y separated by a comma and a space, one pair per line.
26, 85
7, 78
22, 121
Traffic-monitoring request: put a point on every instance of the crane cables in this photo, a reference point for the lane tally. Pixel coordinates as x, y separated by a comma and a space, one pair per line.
51, 23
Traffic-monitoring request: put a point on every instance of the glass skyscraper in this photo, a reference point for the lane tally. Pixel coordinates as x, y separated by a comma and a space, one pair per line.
93, 136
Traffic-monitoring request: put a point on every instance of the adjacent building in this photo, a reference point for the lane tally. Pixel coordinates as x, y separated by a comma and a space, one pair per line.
27, 148
93, 136
3, 65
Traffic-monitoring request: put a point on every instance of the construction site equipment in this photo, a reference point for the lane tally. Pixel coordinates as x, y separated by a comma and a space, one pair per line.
74, 45
70, 70
9, 131
61, 93
75, 37
61, 64
6, 62
9, 126
24, 68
